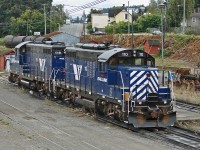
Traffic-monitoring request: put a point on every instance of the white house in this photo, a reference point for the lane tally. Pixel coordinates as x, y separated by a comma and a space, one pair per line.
99, 21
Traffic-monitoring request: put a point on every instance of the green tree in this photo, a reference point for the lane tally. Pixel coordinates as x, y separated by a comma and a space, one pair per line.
89, 28
14, 8
30, 20
197, 3
175, 11
153, 7
148, 21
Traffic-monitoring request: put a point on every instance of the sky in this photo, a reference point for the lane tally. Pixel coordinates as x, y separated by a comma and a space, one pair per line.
106, 4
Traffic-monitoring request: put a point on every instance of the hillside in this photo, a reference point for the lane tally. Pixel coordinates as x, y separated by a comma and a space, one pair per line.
180, 50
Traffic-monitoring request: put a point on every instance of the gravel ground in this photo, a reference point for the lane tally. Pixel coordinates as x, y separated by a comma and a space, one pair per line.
27, 123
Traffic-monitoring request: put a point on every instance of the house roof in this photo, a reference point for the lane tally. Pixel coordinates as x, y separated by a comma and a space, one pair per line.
52, 34
153, 42
114, 11
195, 15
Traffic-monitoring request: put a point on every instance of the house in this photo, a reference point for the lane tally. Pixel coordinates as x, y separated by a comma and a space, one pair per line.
3, 56
116, 14
99, 21
194, 20
119, 14
152, 46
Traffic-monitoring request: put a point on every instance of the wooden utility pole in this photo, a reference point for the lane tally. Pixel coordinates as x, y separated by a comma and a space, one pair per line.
184, 23
45, 20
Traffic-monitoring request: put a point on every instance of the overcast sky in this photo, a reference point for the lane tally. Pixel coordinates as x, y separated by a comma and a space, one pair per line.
106, 4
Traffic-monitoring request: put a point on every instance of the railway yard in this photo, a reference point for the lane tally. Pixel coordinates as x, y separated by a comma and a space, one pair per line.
118, 78
28, 122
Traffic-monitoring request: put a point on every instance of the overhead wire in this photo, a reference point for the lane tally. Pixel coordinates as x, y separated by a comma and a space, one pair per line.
88, 5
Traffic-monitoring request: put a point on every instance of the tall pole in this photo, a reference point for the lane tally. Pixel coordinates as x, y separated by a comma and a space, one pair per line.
162, 6
128, 19
45, 20
50, 19
132, 31
84, 18
184, 23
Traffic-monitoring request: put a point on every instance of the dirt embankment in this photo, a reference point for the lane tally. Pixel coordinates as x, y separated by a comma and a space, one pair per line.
177, 47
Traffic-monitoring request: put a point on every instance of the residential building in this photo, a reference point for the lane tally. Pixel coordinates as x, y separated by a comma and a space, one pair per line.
194, 20
119, 14
99, 21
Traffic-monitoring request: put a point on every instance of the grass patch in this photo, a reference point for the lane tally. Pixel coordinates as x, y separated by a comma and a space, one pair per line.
193, 125
187, 95
2, 42
2, 122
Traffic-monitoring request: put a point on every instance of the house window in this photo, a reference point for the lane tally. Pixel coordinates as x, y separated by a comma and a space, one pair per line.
194, 19
126, 16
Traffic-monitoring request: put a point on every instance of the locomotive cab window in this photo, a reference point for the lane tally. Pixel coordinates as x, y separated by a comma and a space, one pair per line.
139, 62
150, 63
22, 50
102, 67
113, 63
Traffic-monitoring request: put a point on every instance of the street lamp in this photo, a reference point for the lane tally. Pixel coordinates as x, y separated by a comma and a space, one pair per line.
162, 8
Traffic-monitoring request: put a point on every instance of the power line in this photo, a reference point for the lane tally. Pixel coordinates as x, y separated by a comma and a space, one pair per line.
88, 5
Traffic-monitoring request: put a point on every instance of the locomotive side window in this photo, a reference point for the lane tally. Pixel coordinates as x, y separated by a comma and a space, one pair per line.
71, 54
46, 51
113, 63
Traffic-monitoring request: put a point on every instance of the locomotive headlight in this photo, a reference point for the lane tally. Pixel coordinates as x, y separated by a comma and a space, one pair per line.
140, 103
165, 102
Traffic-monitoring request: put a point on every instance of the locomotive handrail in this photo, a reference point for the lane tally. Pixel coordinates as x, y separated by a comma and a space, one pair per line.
50, 79
123, 89
172, 91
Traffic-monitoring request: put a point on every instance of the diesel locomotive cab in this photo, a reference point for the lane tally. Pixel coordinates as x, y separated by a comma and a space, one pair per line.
144, 101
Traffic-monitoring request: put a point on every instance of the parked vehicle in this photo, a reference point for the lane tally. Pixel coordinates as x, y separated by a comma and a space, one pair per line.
68, 22
157, 32
98, 33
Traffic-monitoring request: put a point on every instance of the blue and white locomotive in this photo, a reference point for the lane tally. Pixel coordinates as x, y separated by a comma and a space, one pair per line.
116, 82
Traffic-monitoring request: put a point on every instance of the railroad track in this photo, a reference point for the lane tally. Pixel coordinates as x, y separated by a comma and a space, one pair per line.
188, 106
4, 79
173, 135
177, 136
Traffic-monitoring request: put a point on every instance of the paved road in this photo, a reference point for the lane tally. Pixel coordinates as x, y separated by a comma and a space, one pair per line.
29, 123
73, 29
